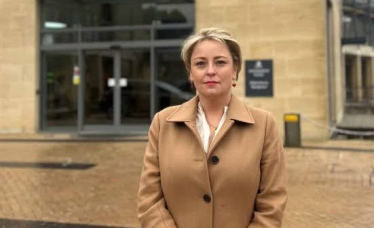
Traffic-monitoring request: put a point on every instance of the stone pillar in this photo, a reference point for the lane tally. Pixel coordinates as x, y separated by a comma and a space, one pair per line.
338, 66
19, 66
366, 82
357, 79
370, 81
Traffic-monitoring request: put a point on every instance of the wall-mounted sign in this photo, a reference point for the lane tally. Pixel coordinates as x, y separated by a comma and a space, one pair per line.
111, 82
122, 82
76, 76
259, 78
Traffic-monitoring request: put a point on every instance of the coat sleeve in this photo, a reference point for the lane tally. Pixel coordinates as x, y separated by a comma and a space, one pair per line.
152, 212
272, 193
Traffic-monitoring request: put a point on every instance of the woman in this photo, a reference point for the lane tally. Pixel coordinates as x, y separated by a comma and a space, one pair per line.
212, 162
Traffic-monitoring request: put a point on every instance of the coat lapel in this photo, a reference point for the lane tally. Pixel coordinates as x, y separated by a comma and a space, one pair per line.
237, 112
187, 113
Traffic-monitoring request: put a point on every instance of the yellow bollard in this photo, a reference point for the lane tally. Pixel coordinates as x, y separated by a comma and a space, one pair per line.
292, 130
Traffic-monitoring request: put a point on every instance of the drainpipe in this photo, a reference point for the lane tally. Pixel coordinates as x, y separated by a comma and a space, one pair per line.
330, 102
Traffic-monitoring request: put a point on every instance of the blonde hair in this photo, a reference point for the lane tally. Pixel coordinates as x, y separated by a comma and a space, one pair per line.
216, 34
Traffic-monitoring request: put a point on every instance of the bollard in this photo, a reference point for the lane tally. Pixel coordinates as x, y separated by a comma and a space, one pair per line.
292, 130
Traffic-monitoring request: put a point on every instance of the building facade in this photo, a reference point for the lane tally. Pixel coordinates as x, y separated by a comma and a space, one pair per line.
106, 67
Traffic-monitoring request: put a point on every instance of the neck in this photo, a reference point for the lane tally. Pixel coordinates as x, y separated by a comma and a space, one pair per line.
214, 104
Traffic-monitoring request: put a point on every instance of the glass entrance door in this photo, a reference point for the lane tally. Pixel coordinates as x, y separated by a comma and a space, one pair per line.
99, 88
116, 91
135, 102
60, 93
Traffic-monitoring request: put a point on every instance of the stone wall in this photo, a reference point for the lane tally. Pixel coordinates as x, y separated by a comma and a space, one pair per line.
18, 66
292, 34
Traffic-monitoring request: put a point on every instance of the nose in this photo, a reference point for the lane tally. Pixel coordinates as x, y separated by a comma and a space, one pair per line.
210, 70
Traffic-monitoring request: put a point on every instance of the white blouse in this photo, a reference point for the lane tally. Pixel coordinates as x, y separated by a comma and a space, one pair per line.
203, 126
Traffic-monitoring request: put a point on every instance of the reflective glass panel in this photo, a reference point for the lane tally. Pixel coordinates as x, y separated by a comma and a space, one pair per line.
348, 24
135, 87
62, 93
362, 4
178, 33
49, 38
348, 2
94, 13
173, 86
350, 89
361, 25
107, 36
99, 87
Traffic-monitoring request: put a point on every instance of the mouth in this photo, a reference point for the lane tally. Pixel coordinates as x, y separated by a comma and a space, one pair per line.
211, 83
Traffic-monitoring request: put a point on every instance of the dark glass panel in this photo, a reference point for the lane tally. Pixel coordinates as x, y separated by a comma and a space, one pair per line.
349, 74
348, 25
172, 82
361, 23
348, 2
93, 13
98, 91
167, 12
116, 36
361, 4
56, 38
62, 94
166, 34
135, 92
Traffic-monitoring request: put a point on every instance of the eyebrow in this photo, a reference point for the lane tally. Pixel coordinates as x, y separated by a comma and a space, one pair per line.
199, 58
217, 57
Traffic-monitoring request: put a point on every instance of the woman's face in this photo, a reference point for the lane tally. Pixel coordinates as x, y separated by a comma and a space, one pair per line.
212, 69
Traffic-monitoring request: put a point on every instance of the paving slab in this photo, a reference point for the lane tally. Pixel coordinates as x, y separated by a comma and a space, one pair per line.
94, 184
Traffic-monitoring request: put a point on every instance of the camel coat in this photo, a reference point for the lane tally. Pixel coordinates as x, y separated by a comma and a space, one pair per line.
239, 183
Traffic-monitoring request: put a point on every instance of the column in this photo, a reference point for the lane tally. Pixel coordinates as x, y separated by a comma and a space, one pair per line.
357, 79
371, 81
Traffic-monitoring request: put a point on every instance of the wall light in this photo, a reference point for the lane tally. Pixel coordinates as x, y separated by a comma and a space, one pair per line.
54, 25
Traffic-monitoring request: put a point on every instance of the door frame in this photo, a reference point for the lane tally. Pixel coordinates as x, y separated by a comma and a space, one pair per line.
116, 48
117, 128
85, 128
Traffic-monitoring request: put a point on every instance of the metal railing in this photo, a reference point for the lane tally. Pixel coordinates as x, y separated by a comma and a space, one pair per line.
80, 34
364, 94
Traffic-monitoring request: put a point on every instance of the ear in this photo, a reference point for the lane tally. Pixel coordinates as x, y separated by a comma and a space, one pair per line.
235, 77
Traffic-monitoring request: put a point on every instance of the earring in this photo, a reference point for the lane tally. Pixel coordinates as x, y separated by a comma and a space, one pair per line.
233, 83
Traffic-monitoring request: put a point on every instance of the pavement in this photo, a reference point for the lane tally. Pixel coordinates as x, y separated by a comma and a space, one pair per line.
62, 182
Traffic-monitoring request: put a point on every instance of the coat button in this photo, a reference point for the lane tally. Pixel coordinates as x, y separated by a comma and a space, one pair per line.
207, 198
215, 159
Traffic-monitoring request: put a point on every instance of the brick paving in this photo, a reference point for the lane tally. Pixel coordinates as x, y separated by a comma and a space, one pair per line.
327, 188
330, 188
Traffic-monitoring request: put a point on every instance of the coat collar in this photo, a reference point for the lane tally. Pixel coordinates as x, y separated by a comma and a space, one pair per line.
237, 111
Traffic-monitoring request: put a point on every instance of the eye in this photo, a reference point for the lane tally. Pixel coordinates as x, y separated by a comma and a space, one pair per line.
221, 62
200, 64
